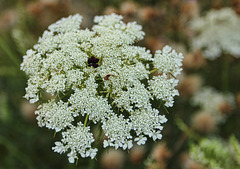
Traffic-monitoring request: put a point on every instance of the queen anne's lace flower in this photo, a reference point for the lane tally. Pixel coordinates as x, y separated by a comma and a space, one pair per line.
147, 122
117, 129
168, 61
55, 115
218, 32
78, 140
99, 76
164, 89
210, 100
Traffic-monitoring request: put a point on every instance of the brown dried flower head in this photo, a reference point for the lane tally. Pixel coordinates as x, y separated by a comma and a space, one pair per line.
154, 43
161, 154
188, 163
137, 154
225, 108
236, 6
47, 12
147, 13
8, 19
27, 110
204, 122
194, 60
128, 8
190, 9
109, 10
112, 159
188, 85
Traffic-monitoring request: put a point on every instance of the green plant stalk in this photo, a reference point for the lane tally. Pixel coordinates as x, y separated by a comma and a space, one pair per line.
9, 52
19, 155
91, 164
85, 122
154, 70
236, 148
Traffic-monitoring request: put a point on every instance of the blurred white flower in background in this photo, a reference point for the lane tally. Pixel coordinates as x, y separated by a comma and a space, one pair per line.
216, 103
217, 33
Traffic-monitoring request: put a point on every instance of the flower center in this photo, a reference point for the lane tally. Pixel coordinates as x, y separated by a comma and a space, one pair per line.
92, 61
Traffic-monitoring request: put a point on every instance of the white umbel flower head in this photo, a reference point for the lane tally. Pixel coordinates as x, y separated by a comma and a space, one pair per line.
117, 129
218, 32
168, 61
164, 89
99, 77
210, 100
78, 140
55, 115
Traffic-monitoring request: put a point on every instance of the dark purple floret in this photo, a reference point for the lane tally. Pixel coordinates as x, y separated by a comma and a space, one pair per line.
92, 61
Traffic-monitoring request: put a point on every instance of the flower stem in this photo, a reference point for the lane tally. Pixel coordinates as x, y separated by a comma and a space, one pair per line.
173, 75
85, 122
9, 52
154, 70
91, 164
165, 109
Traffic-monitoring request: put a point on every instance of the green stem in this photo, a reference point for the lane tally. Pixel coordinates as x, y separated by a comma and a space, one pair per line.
165, 109
154, 70
9, 52
66, 94
173, 76
91, 164
85, 122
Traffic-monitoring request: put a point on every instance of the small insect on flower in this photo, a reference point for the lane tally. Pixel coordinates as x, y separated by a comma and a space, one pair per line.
108, 75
